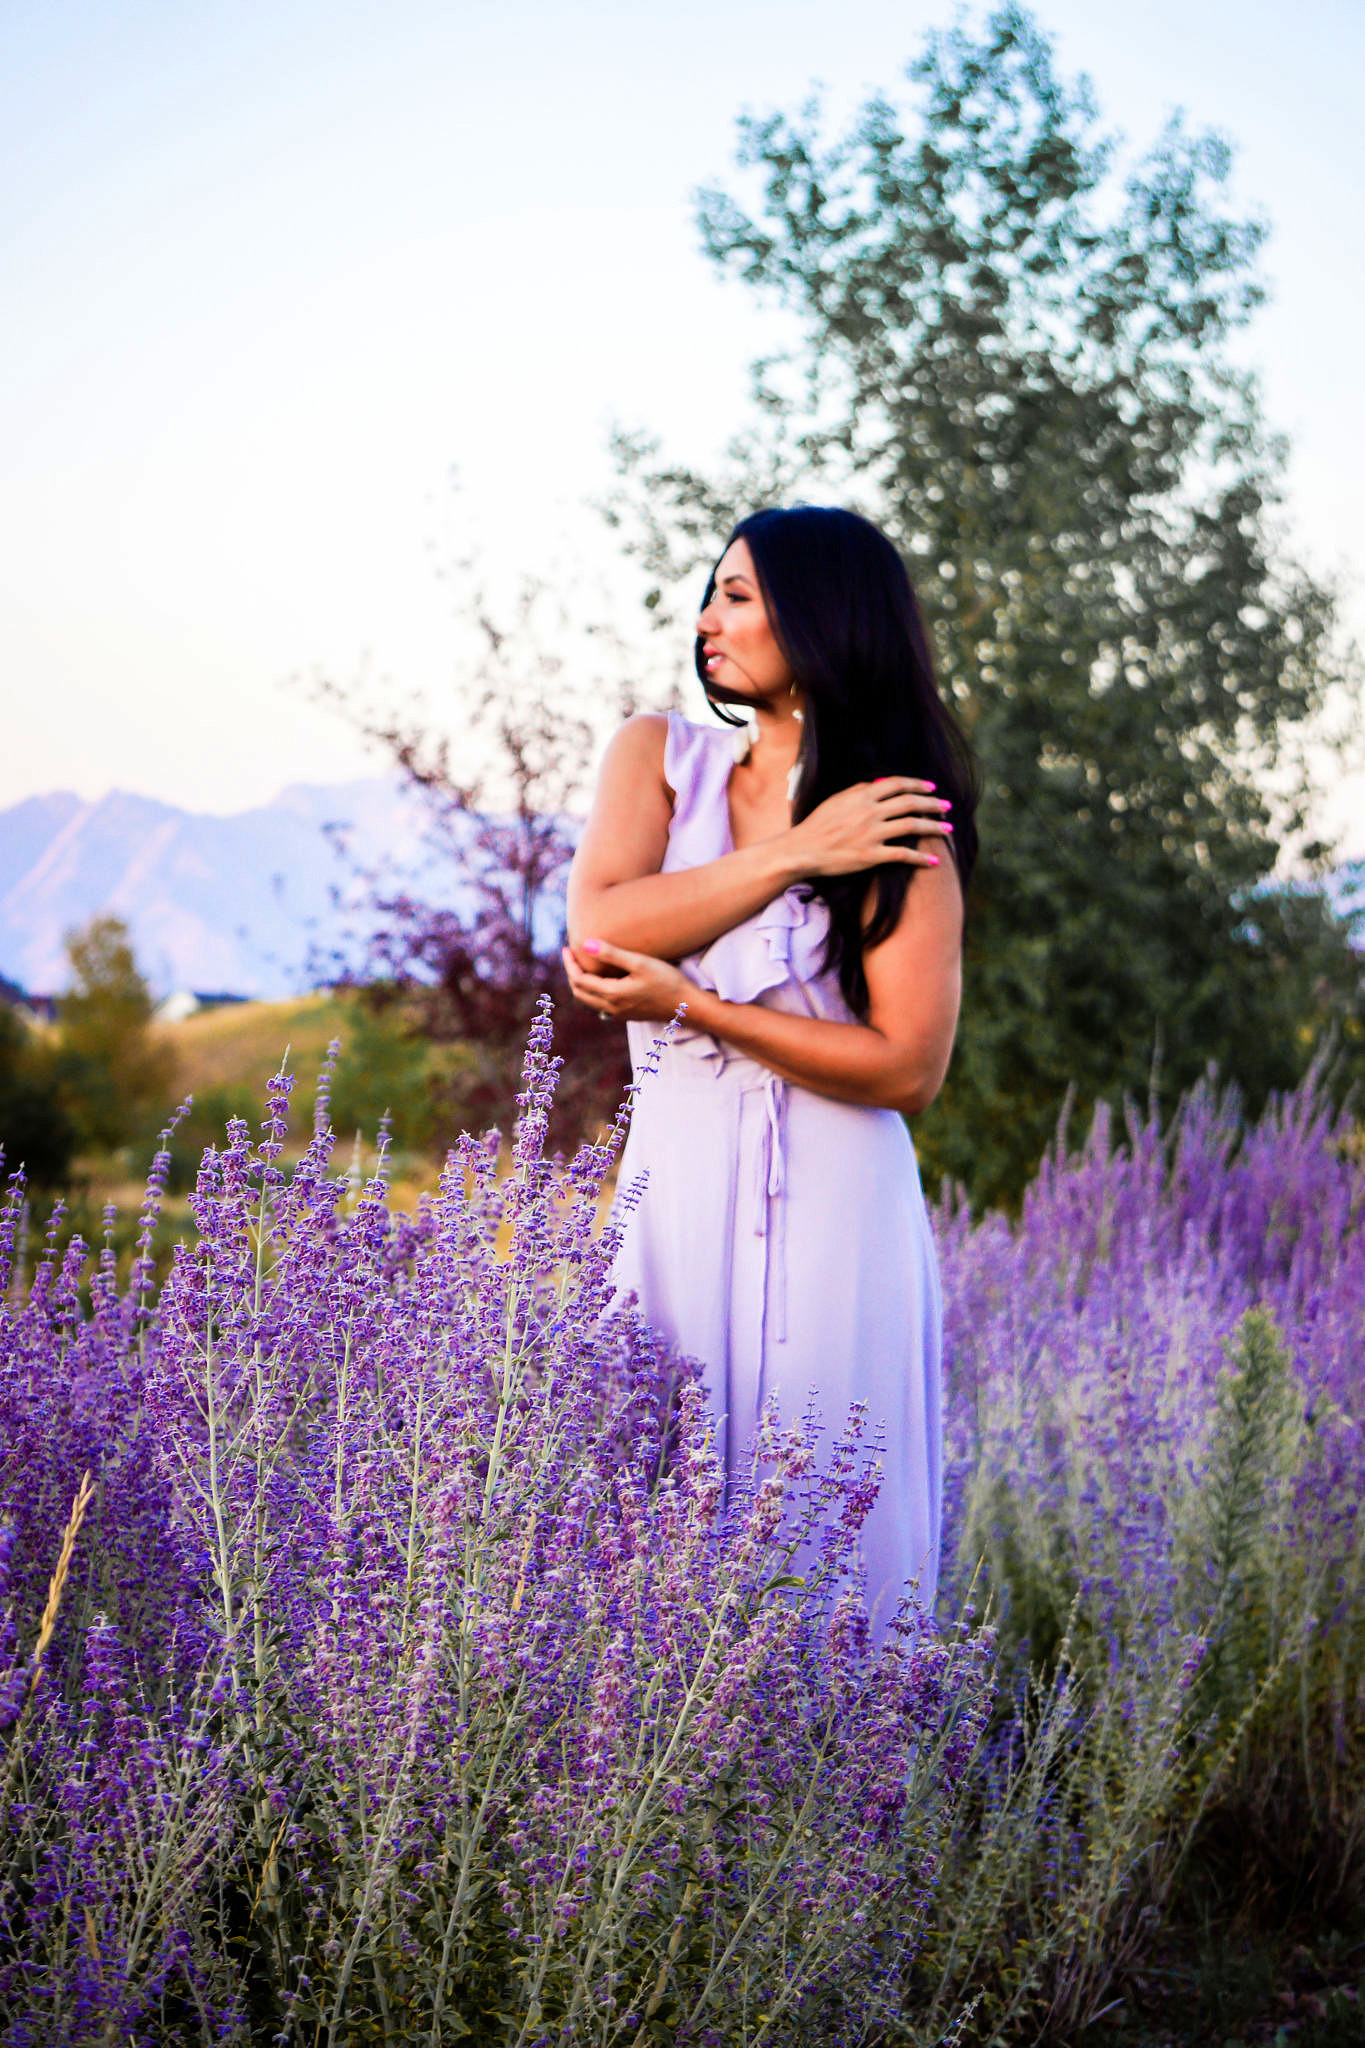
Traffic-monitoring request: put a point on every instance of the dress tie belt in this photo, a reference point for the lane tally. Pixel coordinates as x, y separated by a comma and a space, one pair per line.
770, 1181
705, 1055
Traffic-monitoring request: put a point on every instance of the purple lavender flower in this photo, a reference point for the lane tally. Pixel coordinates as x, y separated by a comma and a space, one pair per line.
415, 1674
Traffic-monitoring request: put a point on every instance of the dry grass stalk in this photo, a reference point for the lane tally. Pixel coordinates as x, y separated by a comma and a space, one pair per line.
59, 1577
58, 1582
47, 1626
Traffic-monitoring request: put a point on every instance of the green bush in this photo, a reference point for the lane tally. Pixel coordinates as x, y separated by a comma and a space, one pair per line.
35, 1130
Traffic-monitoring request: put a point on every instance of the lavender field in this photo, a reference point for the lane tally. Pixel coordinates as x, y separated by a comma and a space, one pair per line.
398, 1672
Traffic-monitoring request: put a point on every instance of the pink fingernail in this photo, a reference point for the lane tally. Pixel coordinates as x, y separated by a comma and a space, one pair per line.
934, 861
931, 785
592, 945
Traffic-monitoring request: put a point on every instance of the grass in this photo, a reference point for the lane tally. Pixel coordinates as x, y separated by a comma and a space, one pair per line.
1240, 1986
240, 1045
235, 1049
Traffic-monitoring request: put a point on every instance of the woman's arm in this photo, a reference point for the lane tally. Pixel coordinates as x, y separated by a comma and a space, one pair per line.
617, 894
896, 1060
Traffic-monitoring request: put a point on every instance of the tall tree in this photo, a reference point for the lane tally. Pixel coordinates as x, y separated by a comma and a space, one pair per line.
116, 1075
465, 972
1019, 362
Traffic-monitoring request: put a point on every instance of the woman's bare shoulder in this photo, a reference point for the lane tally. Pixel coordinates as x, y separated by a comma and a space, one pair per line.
626, 833
634, 759
643, 736
637, 749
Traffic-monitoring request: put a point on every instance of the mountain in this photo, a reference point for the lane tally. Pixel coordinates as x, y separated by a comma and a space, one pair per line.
1345, 889
243, 903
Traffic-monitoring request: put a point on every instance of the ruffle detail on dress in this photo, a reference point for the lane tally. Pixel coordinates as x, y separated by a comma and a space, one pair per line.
783, 942
781, 946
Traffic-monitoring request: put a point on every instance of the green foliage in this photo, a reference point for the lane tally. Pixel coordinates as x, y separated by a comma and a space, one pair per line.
1146, 1747
1240, 1538
1021, 366
35, 1131
115, 1074
1053, 1890
385, 1071
1285, 1663
204, 1125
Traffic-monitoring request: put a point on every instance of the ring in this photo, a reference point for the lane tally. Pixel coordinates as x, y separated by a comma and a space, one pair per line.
605, 1015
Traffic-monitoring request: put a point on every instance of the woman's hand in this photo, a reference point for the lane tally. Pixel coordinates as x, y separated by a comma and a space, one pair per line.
854, 828
642, 988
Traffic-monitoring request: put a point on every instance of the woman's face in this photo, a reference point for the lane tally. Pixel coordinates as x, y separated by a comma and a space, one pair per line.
739, 650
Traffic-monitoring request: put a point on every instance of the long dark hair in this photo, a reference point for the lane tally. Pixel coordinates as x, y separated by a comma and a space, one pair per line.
845, 616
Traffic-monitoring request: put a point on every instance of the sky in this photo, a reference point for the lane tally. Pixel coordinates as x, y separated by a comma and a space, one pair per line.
275, 274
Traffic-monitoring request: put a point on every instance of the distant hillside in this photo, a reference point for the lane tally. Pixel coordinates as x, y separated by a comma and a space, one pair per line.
242, 1046
234, 903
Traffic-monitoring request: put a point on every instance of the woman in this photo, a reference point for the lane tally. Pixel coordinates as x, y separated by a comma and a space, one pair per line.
799, 893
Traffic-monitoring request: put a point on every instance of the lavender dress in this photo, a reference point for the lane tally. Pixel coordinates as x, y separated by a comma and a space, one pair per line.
782, 1238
